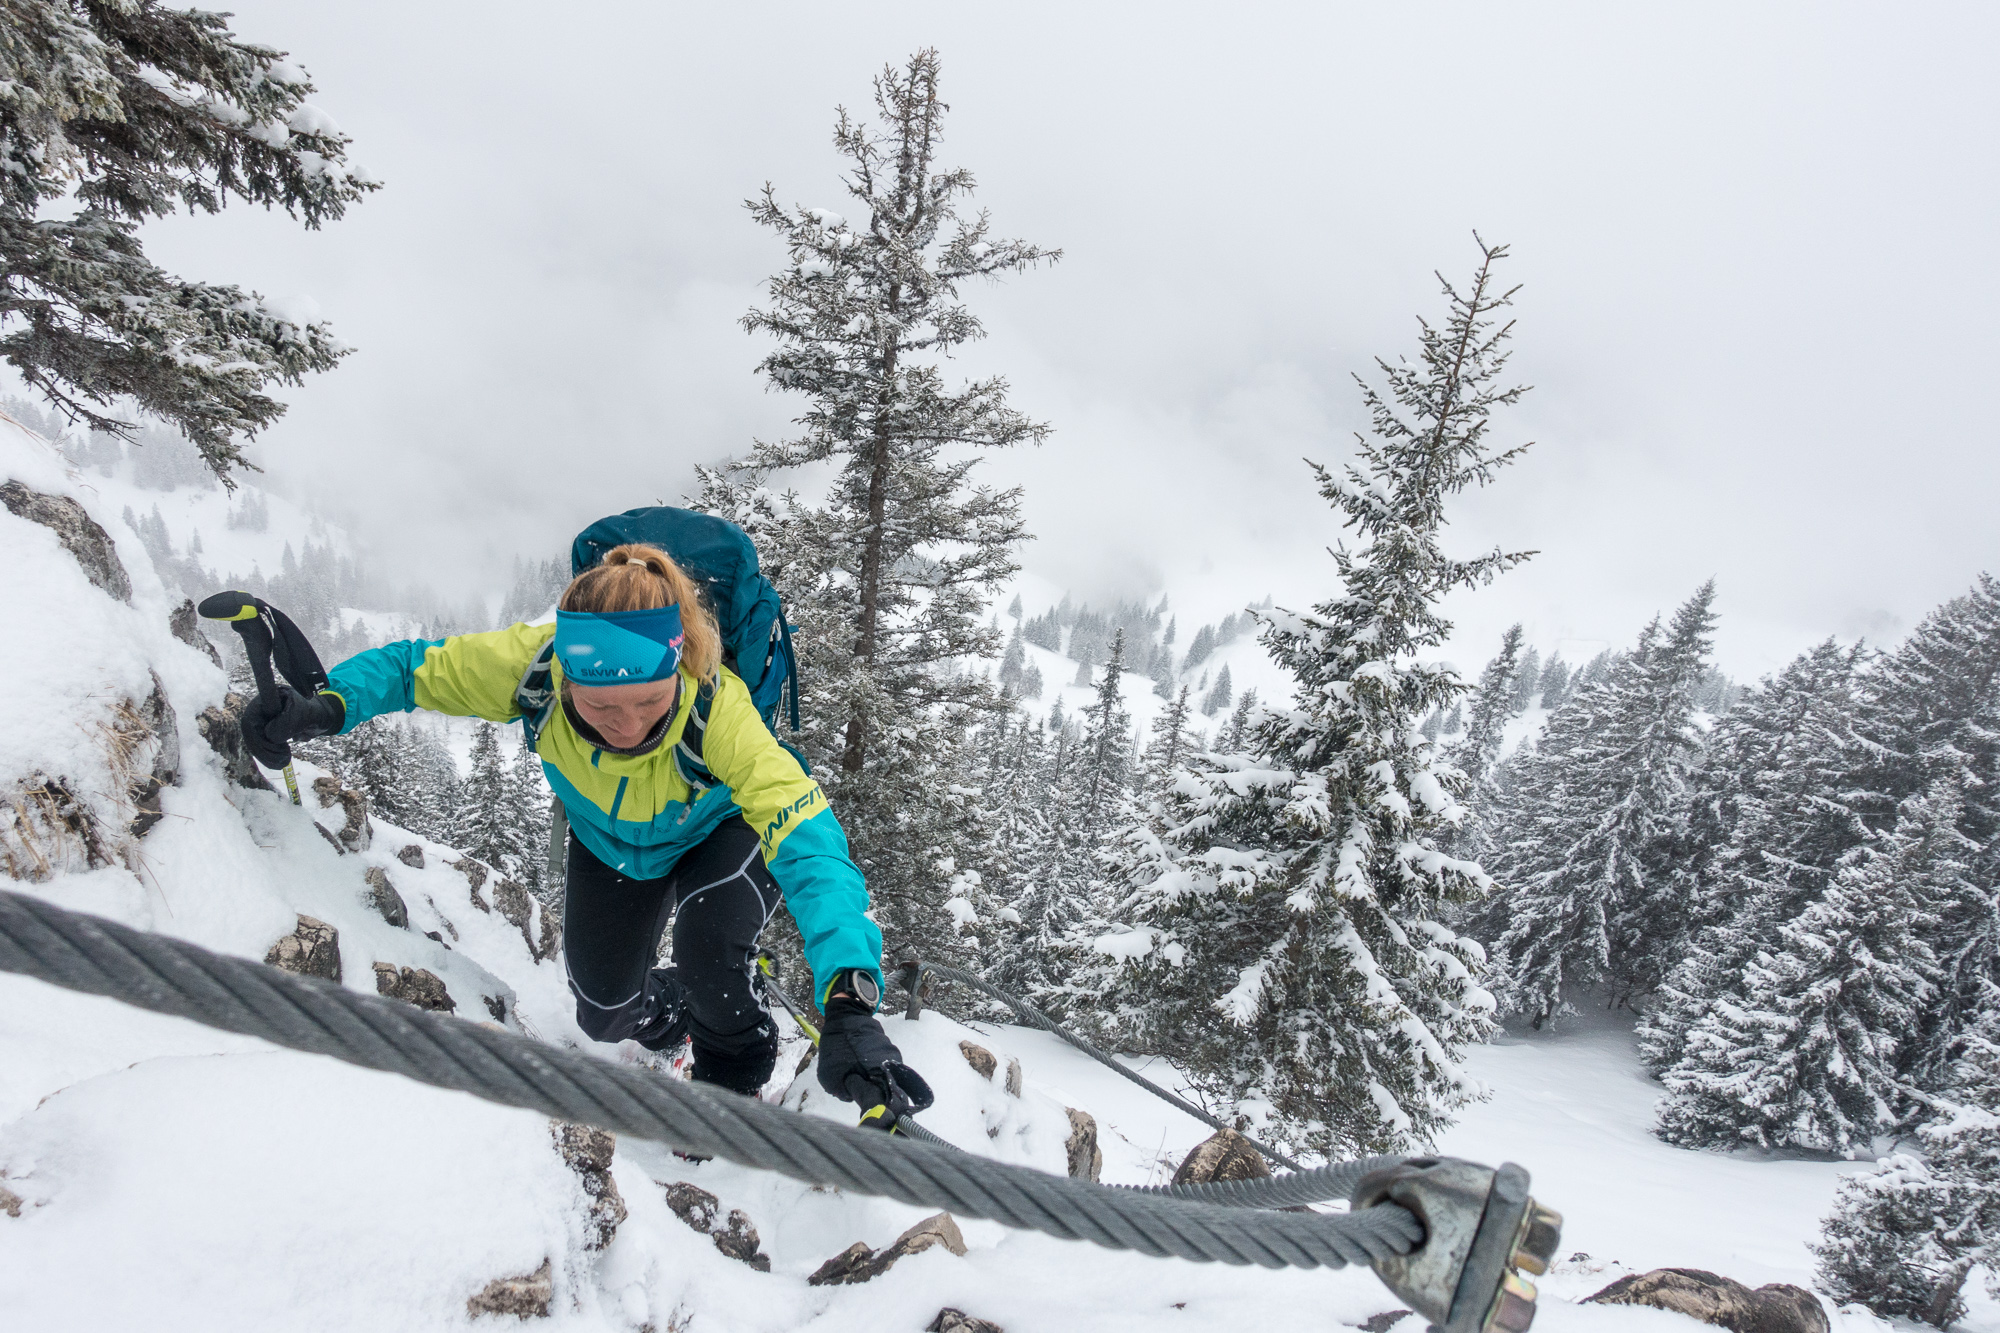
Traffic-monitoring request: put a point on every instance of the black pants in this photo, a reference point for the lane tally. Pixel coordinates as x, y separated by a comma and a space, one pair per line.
720, 895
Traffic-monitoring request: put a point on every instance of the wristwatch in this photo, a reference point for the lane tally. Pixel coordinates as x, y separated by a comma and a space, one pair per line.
854, 984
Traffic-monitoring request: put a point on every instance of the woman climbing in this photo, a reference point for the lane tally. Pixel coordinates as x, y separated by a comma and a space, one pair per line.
649, 838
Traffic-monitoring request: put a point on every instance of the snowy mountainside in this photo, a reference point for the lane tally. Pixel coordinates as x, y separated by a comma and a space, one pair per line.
163, 502
162, 1175
1242, 656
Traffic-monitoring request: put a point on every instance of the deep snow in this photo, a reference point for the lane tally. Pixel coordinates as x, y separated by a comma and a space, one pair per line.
172, 1177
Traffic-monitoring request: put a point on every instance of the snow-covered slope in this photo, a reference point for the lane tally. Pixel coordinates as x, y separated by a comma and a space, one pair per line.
164, 1176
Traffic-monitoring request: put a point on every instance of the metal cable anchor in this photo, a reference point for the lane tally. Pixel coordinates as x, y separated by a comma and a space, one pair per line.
1480, 1225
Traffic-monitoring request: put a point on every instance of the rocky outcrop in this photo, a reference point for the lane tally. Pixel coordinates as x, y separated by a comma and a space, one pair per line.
1086, 1158
443, 920
382, 896
1223, 1155
78, 532
155, 719
552, 924
1713, 1299
475, 879
985, 1065
527, 1296
185, 622
414, 985
411, 856
857, 1263
1382, 1323
356, 833
52, 829
222, 728
958, 1321
850, 1265
517, 905
313, 950
937, 1229
587, 1151
981, 1059
735, 1237
10, 1202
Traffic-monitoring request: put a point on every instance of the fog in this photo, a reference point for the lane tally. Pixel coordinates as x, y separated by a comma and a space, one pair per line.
1754, 247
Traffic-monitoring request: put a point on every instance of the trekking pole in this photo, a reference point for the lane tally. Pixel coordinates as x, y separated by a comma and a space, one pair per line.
769, 968
269, 633
862, 1091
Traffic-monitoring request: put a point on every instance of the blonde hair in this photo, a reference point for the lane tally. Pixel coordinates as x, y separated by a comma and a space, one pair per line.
637, 577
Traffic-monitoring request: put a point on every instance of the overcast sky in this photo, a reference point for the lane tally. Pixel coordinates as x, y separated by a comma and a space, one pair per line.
1756, 243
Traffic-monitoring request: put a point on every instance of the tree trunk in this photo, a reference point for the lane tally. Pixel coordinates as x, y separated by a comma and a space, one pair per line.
871, 548
1938, 1313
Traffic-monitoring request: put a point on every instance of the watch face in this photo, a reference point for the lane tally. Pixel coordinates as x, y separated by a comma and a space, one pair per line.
865, 989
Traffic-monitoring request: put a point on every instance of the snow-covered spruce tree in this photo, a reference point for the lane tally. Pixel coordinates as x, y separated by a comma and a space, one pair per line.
1289, 914
888, 577
1904, 1238
1104, 778
1236, 732
1772, 791
113, 114
1173, 741
1554, 684
1579, 843
432, 787
492, 824
1809, 1057
1014, 664
1218, 697
1017, 852
528, 793
1061, 904
1477, 751
1931, 710
1879, 1247
537, 585
1527, 682
1962, 1143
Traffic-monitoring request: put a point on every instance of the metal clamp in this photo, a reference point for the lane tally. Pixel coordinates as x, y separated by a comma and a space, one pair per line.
1479, 1227
915, 978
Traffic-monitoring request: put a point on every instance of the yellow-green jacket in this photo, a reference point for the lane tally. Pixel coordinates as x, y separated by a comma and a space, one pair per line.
637, 813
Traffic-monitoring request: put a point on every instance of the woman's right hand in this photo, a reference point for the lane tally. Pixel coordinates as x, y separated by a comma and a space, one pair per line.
271, 723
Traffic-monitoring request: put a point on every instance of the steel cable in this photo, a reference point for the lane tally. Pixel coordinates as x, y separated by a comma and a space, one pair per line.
1035, 1018
100, 957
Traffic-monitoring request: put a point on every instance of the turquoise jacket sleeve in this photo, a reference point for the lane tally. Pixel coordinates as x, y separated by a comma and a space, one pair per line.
380, 680
828, 899
466, 675
803, 844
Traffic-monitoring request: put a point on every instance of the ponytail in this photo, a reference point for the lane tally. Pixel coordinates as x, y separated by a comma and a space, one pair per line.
636, 577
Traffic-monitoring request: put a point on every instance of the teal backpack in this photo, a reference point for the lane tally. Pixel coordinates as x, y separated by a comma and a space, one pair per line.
756, 640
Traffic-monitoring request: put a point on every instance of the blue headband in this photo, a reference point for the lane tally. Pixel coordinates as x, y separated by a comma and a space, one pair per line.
619, 647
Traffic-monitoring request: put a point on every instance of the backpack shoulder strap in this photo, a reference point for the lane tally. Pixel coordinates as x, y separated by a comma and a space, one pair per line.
687, 750
536, 694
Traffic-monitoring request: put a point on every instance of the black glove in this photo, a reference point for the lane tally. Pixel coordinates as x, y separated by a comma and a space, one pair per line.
858, 1063
271, 723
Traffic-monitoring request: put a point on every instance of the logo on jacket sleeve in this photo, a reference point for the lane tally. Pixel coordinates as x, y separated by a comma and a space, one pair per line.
775, 831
